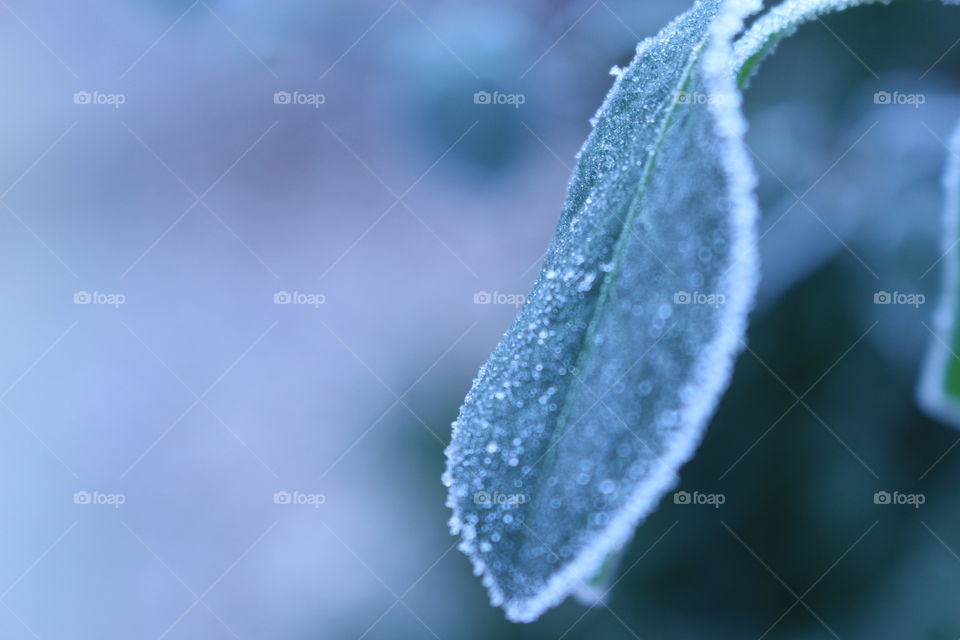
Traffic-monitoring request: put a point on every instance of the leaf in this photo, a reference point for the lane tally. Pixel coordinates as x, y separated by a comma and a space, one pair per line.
780, 22
600, 390
939, 390
595, 589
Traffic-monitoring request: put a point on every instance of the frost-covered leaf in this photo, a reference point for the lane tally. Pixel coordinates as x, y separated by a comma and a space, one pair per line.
780, 22
939, 388
595, 589
940, 384
600, 390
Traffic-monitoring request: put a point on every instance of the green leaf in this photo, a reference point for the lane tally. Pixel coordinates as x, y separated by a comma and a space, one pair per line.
600, 390
939, 390
780, 22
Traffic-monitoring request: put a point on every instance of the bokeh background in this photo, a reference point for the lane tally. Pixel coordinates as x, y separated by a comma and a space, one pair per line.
217, 300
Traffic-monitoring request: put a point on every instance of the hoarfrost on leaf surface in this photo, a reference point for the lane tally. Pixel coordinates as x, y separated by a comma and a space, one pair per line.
599, 391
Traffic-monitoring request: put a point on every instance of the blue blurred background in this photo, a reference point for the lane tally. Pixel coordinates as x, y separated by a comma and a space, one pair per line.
254, 255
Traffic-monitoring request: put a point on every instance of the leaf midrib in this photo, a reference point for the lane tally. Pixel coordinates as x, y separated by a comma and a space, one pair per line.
633, 213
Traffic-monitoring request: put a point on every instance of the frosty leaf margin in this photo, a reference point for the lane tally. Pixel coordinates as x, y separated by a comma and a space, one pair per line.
514, 579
